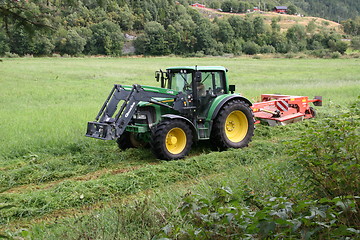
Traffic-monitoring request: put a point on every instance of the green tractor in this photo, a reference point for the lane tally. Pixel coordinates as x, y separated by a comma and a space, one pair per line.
192, 104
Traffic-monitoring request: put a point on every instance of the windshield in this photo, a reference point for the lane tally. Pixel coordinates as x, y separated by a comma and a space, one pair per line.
180, 81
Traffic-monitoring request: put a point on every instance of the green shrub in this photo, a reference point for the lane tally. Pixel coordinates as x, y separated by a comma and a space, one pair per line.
335, 55
267, 49
225, 216
330, 152
251, 48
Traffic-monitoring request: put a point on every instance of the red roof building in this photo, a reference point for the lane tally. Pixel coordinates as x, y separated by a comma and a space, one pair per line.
280, 9
198, 5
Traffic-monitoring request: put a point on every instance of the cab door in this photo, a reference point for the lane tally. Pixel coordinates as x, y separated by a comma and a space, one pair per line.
212, 84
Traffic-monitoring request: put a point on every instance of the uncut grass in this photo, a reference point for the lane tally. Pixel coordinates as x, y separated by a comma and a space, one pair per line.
46, 102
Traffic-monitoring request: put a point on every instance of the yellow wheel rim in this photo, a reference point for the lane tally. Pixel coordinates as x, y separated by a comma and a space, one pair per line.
236, 126
175, 141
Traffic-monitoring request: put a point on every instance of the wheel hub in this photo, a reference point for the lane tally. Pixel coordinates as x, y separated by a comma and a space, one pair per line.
230, 126
172, 140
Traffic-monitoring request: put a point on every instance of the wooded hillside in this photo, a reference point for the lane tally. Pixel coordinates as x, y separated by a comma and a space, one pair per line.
162, 27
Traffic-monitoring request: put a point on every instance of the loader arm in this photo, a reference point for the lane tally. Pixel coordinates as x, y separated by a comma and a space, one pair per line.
108, 127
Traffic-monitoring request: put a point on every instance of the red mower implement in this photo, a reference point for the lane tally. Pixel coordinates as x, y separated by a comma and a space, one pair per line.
277, 109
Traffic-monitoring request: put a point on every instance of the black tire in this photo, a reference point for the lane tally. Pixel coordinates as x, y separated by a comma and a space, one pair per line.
313, 112
124, 142
171, 139
233, 127
128, 140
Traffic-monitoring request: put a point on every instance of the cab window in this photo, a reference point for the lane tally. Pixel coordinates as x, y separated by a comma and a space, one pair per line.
180, 81
213, 81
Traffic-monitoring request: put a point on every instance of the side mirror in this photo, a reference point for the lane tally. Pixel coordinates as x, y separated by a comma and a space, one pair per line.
232, 88
157, 76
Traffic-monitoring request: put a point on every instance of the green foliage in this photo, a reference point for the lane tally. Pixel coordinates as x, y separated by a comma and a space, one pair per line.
180, 29
338, 46
291, 10
352, 26
251, 48
70, 42
311, 27
355, 43
21, 42
43, 46
106, 39
4, 46
227, 216
296, 36
153, 42
329, 151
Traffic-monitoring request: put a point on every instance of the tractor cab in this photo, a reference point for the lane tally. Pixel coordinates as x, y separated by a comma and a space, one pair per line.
203, 79
201, 85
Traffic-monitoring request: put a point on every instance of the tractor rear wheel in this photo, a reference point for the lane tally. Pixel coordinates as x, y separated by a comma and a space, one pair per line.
171, 139
233, 127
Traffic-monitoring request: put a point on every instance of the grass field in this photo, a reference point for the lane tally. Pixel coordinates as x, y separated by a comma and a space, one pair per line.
49, 170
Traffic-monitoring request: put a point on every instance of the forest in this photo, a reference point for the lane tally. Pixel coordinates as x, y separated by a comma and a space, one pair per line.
163, 27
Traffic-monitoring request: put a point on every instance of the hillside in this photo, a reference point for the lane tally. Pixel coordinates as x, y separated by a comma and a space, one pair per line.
335, 10
284, 20
51, 28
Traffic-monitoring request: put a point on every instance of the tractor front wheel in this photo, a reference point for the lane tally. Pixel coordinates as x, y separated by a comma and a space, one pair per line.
171, 139
129, 140
233, 127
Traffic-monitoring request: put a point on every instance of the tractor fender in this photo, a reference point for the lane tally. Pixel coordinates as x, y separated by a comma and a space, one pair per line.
192, 126
217, 105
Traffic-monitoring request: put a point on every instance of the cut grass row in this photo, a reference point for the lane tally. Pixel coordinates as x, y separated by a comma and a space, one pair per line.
144, 215
71, 193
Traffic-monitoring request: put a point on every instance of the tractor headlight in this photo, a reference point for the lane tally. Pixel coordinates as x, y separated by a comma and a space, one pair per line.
139, 116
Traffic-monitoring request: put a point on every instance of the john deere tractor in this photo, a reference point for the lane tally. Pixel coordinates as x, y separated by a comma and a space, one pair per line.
193, 103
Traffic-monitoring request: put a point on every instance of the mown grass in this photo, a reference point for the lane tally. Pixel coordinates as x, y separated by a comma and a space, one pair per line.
144, 215
70, 193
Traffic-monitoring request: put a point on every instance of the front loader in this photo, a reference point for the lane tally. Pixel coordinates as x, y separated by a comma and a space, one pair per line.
192, 104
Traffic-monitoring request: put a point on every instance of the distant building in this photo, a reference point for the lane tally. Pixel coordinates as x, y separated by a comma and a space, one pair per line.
198, 5
256, 9
280, 9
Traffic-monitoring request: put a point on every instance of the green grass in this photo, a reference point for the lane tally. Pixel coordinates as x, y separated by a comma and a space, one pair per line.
47, 164
46, 102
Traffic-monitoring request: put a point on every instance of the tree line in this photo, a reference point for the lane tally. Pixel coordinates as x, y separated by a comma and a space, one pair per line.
162, 27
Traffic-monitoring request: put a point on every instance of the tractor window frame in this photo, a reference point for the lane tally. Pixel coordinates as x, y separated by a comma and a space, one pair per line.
219, 86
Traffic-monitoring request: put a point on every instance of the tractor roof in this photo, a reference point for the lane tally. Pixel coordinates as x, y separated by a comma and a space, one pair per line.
201, 68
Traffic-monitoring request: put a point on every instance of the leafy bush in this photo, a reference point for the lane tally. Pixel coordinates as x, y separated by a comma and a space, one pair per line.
355, 43
321, 53
225, 216
251, 48
267, 49
329, 153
